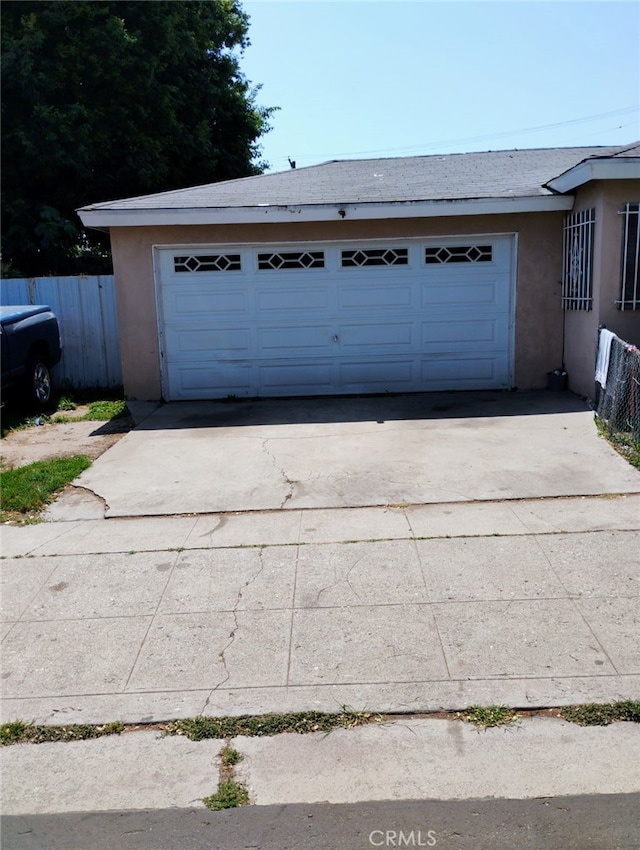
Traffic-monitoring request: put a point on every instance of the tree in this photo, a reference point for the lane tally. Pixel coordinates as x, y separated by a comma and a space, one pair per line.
110, 99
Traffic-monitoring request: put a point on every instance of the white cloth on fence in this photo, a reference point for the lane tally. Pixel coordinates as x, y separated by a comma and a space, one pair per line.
604, 352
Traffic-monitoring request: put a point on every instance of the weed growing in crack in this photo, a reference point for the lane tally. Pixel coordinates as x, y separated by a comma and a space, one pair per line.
485, 717
595, 714
230, 756
263, 725
18, 732
230, 795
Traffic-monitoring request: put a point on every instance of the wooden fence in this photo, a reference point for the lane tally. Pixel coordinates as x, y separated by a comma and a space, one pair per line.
86, 311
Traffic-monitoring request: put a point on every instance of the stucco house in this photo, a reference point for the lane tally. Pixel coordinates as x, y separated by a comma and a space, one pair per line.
464, 271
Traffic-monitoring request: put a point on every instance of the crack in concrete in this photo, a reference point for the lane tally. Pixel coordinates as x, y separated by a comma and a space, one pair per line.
91, 493
291, 485
236, 626
348, 577
329, 586
290, 482
345, 580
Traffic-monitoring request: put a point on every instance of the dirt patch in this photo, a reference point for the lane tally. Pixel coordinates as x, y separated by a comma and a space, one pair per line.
49, 440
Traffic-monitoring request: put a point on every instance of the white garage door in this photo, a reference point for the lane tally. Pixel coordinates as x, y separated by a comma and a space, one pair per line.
318, 319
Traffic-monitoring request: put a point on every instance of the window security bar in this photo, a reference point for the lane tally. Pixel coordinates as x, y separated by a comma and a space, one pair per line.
629, 286
577, 276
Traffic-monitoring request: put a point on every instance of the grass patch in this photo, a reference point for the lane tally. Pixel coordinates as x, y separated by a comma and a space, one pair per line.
594, 714
622, 441
488, 716
101, 407
28, 488
230, 794
626, 446
102, 411
230, 757
262, 725
98, 411
19, 732
66, 403
89, 394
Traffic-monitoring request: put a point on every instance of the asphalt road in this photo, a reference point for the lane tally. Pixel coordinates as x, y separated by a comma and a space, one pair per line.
604, 822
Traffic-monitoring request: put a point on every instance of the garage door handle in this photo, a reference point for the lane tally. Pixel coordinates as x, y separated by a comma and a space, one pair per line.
335, 337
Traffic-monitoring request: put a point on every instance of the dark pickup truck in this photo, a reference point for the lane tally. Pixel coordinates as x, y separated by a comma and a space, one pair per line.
30, 347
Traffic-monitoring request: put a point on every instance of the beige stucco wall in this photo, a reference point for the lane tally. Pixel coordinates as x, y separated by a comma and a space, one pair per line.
538, 325
607, 198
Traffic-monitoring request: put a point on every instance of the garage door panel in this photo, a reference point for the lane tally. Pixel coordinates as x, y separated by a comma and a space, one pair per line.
287, 300
469, 334
222, 378
458, 371
378, 375
279, 378
363, 297
376, 334
203, 322
209, 302
295, 340
204, 341
456, 294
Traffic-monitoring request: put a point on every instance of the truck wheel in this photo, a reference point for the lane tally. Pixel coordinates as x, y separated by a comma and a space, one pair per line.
39, 382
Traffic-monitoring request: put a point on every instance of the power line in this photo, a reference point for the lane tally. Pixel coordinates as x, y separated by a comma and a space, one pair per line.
483, 138
582, 137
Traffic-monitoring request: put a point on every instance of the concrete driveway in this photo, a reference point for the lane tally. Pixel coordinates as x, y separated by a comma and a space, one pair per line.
212, 457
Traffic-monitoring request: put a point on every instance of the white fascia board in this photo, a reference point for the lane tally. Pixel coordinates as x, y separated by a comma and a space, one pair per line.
99, 218
596, 169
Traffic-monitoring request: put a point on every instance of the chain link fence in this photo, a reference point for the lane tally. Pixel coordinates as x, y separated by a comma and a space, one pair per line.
618, 408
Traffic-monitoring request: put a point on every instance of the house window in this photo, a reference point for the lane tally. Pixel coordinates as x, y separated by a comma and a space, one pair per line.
459, 254
207, 263
577, 260
629, 286
291, 260
375, 257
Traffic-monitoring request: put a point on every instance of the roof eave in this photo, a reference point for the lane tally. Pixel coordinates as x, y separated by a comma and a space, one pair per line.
596, 169
101, 218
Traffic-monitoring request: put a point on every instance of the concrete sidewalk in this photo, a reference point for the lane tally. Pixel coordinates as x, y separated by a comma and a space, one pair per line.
528, 603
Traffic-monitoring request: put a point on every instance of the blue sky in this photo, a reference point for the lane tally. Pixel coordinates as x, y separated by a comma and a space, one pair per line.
389, 78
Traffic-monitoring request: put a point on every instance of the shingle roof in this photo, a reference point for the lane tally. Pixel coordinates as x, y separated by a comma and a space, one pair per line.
632, 150
492, 174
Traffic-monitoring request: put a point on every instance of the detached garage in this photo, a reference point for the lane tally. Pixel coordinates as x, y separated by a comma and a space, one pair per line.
366, 276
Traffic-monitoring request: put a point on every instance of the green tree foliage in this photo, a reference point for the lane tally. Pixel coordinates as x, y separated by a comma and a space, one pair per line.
104, 100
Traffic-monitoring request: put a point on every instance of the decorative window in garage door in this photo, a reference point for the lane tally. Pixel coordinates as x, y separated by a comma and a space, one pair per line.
375, 257
291, 260
459, 254
207, 263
